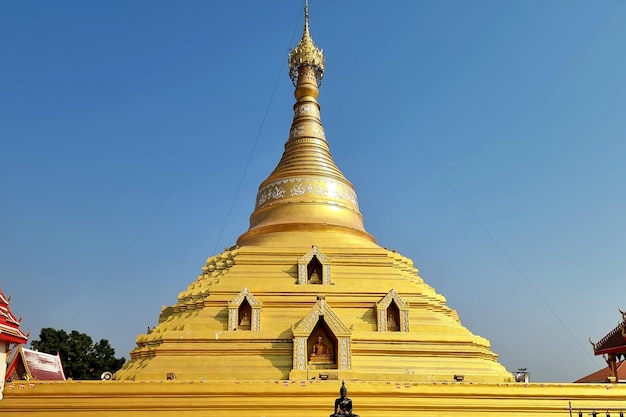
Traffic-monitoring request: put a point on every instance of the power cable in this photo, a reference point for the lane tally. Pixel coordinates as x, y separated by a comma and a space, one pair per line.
475, 216
254, 144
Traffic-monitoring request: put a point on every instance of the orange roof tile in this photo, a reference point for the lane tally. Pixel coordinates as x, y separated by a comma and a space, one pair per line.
603, 375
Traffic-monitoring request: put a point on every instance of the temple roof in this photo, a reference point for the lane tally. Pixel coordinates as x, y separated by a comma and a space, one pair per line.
9, 325
602, 376
37, 365
614, 342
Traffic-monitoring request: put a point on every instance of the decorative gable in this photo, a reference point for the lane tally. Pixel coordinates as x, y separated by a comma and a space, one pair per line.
321, 308
301, 332
29, 365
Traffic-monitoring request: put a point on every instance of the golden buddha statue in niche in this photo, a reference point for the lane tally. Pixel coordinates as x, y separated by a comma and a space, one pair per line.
321, 352
244, 324
392, 321
315, 277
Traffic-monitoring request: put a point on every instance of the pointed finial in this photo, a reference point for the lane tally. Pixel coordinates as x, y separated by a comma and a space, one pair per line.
623, 314
306, 14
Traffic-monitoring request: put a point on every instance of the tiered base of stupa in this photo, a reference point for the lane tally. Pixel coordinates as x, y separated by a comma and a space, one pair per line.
305, 398
256, 312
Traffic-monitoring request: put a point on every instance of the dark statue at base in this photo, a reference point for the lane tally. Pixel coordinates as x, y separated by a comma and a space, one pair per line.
343, 404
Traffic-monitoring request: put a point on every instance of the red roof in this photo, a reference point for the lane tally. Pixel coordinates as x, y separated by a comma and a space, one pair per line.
9, 325
30, 364
602, 376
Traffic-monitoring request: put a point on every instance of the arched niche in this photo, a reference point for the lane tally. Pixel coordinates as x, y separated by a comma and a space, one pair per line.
322, 347
322, 321
244, 312
314, 268
392, 313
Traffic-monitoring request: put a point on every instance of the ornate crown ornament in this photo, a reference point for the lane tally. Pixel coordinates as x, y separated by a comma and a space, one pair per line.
306, 53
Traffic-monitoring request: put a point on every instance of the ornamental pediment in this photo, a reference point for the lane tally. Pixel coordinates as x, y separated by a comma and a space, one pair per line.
392, 295
321, 309
245, 294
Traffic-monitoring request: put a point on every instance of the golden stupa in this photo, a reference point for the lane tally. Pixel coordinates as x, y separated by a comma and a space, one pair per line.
307, 276
306, 298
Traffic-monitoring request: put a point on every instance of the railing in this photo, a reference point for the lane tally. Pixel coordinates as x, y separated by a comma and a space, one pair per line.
586, 411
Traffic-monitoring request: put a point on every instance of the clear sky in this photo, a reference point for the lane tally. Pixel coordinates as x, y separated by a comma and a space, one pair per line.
485, 140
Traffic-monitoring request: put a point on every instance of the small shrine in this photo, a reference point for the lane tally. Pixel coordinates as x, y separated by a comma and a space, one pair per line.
11, 335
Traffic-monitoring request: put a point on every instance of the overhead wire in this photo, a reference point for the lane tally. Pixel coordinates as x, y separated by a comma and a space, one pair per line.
158, 207
508, 257
256, 140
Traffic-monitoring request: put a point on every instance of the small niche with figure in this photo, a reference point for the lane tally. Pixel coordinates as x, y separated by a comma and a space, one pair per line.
245, 314
392, 313
322, 347
314, 268
393, 317
314, 271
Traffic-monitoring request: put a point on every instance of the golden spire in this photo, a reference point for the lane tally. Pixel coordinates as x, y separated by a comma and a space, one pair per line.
306, 190
306, 53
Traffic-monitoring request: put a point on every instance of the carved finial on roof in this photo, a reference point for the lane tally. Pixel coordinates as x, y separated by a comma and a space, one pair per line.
592, 344
623, 314
306, 53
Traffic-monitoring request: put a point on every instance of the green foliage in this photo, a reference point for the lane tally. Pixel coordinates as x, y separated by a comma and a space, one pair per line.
81, 358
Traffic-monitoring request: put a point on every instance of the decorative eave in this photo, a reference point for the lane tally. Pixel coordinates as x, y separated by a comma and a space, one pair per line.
614, 342
9, 325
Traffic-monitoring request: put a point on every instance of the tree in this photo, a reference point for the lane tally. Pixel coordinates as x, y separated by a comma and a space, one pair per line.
81, 358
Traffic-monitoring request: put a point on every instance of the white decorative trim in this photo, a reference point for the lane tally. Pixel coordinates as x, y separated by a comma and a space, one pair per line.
345, 353
299, 353
315, 187
404, 320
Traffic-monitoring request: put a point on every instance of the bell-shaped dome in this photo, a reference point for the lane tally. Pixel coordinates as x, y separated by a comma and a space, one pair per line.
306, 190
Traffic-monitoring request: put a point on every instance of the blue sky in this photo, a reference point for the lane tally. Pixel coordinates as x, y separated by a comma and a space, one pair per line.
485, 140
